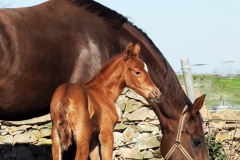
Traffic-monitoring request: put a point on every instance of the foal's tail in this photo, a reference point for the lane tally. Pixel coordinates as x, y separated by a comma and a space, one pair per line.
64, 127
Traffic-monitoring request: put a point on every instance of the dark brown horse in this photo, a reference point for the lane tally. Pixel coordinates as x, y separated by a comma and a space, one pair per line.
88, 112
62, 41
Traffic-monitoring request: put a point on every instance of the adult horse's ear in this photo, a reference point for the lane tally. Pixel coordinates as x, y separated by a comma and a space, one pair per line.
128, 52
197, 105
136, 50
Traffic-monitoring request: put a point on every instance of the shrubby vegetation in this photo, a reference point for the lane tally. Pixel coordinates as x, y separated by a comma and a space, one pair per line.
215, 149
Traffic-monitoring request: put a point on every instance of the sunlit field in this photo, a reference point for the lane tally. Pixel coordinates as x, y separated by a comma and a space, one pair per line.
219, 90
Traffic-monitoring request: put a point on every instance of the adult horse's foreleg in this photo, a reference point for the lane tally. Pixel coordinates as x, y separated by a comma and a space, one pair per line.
56, 144
94, 149
106, 141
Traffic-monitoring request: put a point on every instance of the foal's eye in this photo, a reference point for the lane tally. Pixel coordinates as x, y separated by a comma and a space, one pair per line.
197, 142
137, 73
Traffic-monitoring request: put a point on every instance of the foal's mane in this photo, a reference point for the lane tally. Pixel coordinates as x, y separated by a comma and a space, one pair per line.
171, 87
105, 66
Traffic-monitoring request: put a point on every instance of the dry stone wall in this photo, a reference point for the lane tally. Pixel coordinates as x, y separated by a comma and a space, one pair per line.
225, 126
25, 142
136, 135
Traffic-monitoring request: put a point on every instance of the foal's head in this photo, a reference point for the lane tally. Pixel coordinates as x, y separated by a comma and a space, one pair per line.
136, 76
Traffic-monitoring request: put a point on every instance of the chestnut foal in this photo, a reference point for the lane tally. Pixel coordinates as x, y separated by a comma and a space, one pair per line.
88, 112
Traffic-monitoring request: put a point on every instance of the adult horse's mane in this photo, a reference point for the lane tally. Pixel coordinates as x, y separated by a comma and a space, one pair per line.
170, 87
109, 15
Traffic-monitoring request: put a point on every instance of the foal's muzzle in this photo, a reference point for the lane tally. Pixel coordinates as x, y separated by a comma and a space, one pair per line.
155, 95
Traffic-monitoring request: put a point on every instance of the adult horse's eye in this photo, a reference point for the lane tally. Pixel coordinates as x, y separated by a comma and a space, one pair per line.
192, 118
197, 142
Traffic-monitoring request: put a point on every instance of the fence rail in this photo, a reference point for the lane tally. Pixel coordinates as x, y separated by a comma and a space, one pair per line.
178, 70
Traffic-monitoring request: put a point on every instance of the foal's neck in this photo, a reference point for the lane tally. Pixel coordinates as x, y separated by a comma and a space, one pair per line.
109, 81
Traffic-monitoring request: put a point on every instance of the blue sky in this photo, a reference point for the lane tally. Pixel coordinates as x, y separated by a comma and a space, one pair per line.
206, 32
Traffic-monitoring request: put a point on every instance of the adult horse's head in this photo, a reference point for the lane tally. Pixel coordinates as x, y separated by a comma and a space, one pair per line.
184, 138
136, 75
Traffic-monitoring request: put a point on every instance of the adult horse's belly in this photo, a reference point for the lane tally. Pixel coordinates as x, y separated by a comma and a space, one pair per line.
24, 98
29, 93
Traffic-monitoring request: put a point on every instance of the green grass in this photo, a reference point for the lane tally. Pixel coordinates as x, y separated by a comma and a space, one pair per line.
218, 90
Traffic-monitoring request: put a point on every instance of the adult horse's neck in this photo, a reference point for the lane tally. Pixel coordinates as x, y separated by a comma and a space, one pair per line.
173, 98
109, 81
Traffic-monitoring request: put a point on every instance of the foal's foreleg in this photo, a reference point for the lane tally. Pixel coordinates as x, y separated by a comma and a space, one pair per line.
106, 141
94, 149
56, 145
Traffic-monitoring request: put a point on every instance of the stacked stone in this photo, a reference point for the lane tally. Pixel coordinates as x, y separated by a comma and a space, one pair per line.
225, 125
31, 141
231, 149
137, 134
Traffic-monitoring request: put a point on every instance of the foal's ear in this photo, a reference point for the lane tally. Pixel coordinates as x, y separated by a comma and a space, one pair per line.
128, 52
198, 103
136, 50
